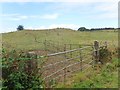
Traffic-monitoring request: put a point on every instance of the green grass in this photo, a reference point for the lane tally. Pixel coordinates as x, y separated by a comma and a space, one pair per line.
106, 77
25, 40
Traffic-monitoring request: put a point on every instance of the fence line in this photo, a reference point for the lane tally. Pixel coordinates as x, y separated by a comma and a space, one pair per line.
62, 62
56, 47
65, 67
71, 71
67, 51
73, 59
78, 62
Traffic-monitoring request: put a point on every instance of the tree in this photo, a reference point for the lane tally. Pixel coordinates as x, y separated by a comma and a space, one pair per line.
20, 27
82, 29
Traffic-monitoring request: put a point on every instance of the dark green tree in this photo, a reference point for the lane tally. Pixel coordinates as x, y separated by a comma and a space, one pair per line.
20, 27
82, 29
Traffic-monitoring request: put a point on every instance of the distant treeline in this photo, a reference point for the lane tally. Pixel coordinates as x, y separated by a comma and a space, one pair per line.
96, 29
21, 27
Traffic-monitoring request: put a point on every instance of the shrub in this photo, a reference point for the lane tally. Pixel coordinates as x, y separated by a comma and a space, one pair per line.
104, 55
13, 72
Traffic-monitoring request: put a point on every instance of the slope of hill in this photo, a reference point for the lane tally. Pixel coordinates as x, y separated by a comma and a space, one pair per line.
33, 39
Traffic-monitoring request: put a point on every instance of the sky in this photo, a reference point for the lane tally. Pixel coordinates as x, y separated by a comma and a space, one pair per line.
47, 14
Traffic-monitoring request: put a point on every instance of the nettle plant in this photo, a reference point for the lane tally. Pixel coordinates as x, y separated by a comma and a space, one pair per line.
13, 72
105, 55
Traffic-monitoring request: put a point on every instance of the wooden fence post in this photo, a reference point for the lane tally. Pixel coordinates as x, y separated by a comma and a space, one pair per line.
65, 50
64, 75
105, 44
96, 51
70, 49
58, 46
93, 65
45, 45
31, 66
65, 64
80, 53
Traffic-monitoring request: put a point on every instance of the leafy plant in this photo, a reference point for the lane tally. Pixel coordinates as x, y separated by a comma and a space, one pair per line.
104, 55
13, 72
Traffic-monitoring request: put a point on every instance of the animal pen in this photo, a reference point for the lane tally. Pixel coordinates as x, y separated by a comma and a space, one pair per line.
57, 66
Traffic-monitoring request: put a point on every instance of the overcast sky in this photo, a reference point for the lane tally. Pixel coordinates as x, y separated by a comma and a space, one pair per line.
42, 14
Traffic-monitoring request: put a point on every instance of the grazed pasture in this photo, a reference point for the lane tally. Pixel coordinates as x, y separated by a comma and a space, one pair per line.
33, 39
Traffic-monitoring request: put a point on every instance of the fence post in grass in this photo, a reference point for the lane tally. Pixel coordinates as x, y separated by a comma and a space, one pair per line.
96, 51
64, 75
31, 66
45, 45
58, 47
70, 49
65, 64
105, 44
65, 50
93, 64
80, 53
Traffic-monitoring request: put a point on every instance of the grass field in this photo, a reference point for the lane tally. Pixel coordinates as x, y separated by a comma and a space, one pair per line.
107, 76
25, 40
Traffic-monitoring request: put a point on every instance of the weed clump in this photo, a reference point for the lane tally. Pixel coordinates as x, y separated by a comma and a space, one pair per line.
104, 55
14, 75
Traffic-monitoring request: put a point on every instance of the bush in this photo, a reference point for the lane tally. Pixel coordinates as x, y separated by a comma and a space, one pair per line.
22, 80
105, 55
13, 72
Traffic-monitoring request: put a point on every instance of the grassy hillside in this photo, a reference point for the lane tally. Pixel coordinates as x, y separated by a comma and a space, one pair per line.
106, 77
25, 39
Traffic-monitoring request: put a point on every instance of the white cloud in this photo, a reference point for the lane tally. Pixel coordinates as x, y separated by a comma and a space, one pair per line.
17, 17
71, 26
36, 28
108, 7
50, 16
13, 17
107, 16
6, 29
42, 27
110, 10
9, 15
23, 17
59, 0
45, 16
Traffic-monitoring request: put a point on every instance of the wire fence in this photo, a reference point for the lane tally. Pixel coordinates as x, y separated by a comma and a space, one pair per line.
63, 63
57, 67
66, 59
